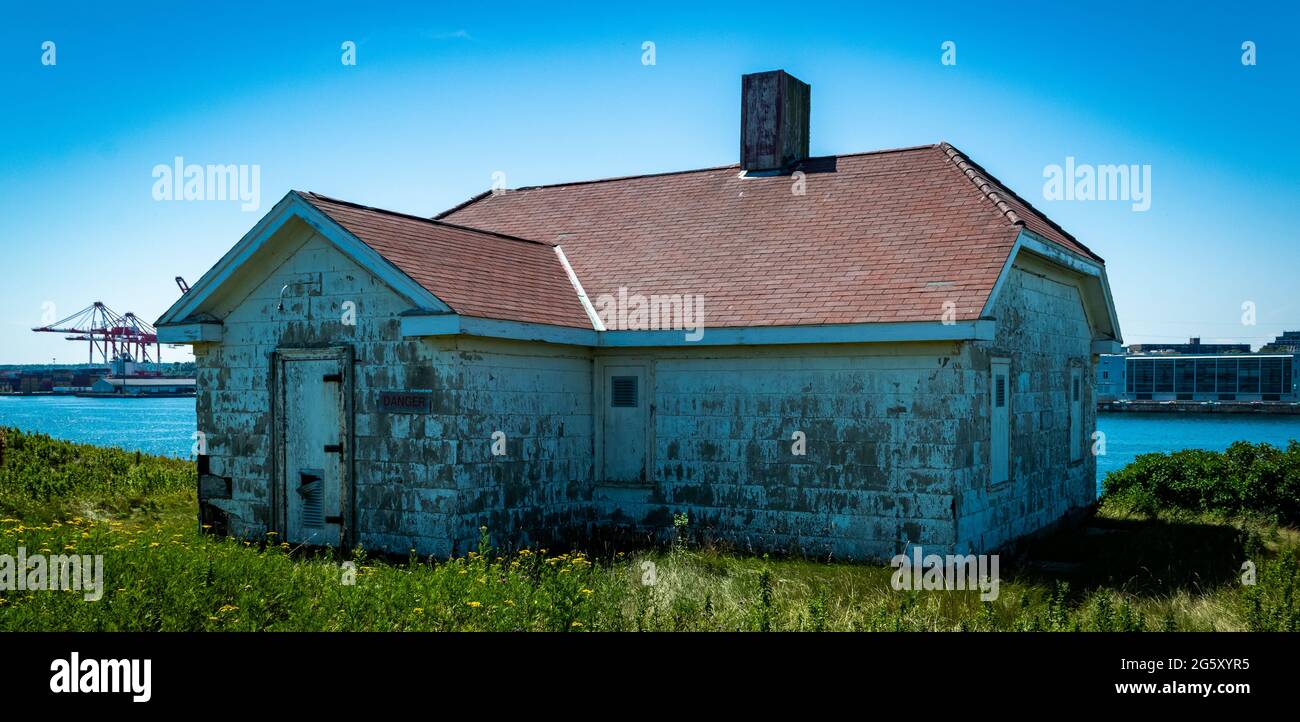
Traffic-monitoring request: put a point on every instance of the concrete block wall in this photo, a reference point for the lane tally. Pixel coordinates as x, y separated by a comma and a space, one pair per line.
1042, 328
422, 481
888, 429
897, 435
539, 396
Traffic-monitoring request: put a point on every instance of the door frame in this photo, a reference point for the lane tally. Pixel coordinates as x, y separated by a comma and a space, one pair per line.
279, 489
598, 396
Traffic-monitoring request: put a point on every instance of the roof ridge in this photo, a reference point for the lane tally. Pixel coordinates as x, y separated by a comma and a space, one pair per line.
434, 221
998, 185
634, 176
590, 181
976, 175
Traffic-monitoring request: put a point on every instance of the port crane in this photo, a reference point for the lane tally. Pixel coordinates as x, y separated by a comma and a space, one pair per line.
109, 334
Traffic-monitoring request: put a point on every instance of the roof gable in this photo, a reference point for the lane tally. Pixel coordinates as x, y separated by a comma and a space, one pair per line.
475, 272
439, 267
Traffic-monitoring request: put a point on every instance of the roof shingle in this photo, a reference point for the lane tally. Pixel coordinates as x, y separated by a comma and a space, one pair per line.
882, 237
477, 273
888, 236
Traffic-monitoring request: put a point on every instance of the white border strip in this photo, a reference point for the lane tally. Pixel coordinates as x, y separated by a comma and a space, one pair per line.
596, 323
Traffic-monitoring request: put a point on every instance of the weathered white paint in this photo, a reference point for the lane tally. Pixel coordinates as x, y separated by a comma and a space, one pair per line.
623, 458
253, 245
190, 333
1043, 330
1000, 421
1076, 414
313, 476
899, 432
417, 325
1099, 305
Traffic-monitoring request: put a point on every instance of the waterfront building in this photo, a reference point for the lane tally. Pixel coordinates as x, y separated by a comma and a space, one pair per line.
1224, 377
901, 356
1193, 346
1287, 342
1111, 373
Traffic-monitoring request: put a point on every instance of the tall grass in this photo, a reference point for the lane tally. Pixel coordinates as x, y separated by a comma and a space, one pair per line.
161, 573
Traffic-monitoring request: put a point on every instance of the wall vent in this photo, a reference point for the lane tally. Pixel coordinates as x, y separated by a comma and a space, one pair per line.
312, 490
623, 393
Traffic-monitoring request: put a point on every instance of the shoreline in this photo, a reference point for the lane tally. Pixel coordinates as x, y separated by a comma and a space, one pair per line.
1201, 407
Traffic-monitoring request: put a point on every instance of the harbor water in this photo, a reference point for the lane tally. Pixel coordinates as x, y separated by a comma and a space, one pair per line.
166, 427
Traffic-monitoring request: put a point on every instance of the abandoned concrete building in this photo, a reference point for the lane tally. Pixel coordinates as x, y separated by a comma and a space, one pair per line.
838, 356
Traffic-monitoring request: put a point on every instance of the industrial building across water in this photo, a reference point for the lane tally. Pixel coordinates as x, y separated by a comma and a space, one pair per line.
1202, 373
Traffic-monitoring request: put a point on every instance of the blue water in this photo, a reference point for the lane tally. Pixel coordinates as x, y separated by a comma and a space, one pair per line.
1129, 434
166, 427
154, 426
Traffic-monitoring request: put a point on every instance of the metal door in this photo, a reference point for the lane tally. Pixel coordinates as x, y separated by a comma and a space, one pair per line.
626, 416
314, 455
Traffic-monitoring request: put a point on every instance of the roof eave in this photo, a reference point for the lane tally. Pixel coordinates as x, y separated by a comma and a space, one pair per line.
420, 325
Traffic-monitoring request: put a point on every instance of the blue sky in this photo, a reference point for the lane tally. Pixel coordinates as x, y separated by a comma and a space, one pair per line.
444, 95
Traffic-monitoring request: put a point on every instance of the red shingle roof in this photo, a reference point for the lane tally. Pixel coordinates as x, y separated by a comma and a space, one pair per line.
477, 273
889, 236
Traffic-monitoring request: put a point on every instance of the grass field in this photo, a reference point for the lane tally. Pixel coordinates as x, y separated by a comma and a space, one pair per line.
1125, 570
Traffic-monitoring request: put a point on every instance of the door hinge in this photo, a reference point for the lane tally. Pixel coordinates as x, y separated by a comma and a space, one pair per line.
333, 378
334, 520
334, 448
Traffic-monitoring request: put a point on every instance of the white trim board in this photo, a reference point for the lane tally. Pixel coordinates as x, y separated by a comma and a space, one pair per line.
415, 325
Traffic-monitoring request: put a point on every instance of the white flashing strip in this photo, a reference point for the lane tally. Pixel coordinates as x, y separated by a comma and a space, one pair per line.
1003, 275
450, 324
190, 333
596, 323
1071, 260
1107, 347
454, 325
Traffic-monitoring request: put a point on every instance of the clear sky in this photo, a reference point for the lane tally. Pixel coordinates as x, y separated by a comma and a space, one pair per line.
443, 95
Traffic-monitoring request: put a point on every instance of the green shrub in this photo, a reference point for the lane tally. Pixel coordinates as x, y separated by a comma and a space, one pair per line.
1245, 479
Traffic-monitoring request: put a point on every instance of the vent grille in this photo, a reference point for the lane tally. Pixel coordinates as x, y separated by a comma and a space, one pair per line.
1000, 393
313, 516
312, 491
1076, 389
623, 394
